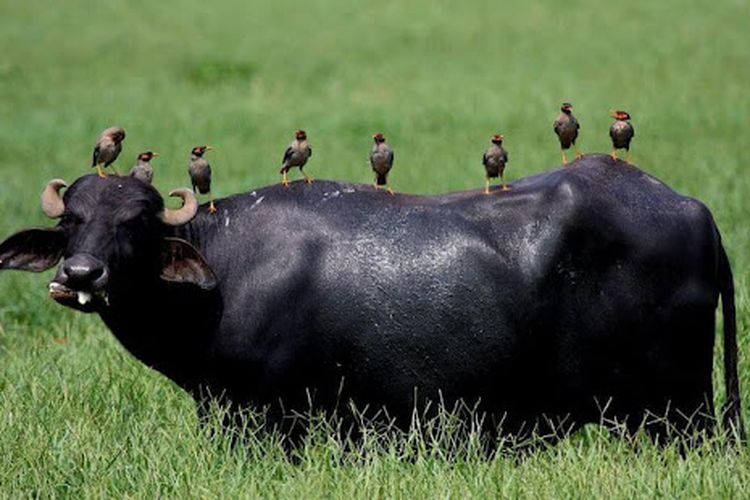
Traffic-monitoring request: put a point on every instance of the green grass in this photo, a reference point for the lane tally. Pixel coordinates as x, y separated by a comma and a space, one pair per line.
80, 417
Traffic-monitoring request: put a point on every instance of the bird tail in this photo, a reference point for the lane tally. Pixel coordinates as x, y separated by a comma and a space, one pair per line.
381, 181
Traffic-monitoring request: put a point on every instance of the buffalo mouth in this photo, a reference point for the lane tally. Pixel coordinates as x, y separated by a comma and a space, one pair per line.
81, 300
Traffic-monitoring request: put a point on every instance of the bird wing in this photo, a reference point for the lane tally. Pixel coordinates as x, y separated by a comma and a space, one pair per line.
505, 156
95, 156
200, 176
287, 155
309, 151
484, 159
556, 127
391, 156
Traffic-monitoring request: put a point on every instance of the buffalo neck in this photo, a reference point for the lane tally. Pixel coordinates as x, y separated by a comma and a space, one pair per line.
169, 327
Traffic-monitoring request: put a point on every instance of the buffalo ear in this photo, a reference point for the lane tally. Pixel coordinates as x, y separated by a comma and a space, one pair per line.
182, 263
33, 250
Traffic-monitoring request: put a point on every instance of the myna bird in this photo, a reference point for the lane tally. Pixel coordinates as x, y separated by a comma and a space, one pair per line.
200, 174
143, 170
621, 132
381, 160
494, 161
566, 127
296, 155
107, 149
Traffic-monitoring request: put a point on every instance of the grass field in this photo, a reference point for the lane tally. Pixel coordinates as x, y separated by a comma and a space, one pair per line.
80, 417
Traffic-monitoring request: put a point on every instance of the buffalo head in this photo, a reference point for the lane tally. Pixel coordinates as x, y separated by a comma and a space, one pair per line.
113, 235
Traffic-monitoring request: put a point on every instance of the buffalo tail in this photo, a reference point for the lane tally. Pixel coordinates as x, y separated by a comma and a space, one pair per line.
732, 411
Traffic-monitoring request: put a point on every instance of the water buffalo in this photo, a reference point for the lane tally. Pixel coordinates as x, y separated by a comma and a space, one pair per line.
583, 290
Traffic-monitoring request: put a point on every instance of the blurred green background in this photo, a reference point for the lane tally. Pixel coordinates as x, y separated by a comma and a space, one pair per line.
438, 78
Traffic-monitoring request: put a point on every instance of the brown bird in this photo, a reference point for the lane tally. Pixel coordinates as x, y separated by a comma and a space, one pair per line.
494, 161
200, 174
566, 127
296, 155
143, 170
381, 160
107, 149
621, 132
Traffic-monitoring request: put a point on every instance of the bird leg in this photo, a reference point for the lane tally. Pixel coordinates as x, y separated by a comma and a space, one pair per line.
100, 171
285, 179
564, 157
308, 179
486, 185
627, 157
211, 206
504, 185
614, 154
389, 191
578, 153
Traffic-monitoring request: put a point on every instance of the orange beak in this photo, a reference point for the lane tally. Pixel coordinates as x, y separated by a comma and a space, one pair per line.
209, 148
154, 155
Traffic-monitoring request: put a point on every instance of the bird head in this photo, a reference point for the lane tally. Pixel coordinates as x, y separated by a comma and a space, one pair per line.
619, 115
379, 137
566, 107
117, 134
147, 156
300, 135
200, 150
497, 139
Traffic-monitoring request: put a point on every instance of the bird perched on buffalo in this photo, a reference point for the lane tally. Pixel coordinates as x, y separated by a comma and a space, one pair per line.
381, 160
621, 132
143, 170
107, 149
296, 155
200, 174
566, 127
494, 161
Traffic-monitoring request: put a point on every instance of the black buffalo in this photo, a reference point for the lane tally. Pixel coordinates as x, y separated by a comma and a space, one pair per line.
582, 291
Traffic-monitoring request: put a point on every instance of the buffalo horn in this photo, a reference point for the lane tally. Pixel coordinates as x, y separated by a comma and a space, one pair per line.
182, 215
52, 204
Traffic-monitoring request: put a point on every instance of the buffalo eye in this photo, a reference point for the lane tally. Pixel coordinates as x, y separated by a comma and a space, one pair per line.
133, 227
70, 220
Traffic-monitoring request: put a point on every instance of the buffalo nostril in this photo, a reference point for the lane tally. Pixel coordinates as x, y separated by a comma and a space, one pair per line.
95, 274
